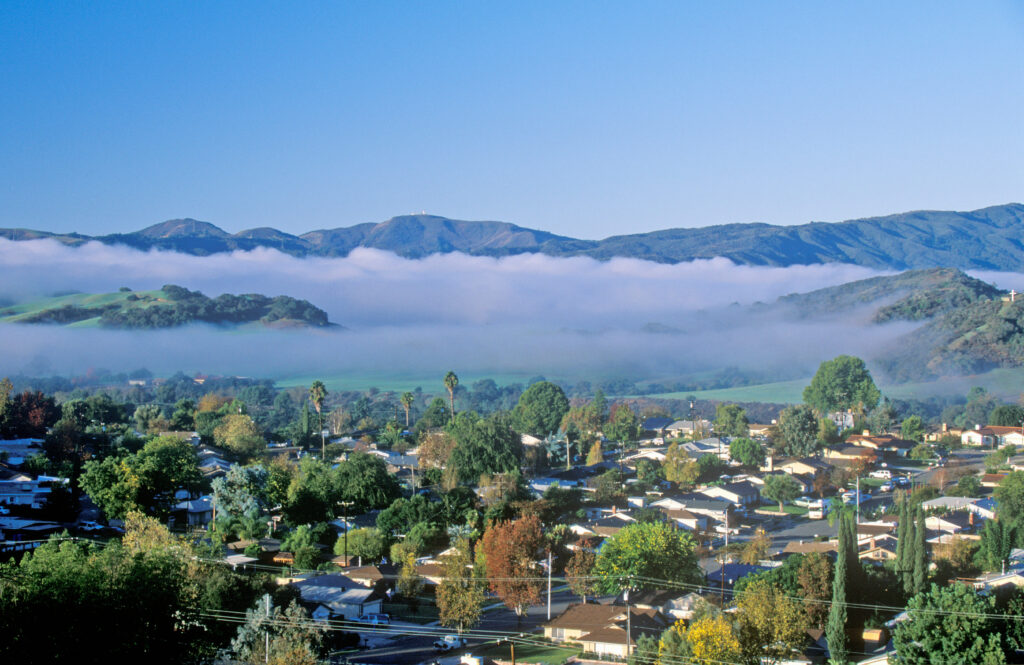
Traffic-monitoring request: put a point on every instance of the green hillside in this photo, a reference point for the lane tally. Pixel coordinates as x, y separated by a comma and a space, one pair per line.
168, 307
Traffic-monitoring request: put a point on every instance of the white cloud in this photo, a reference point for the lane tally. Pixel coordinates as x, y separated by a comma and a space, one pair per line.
449, 310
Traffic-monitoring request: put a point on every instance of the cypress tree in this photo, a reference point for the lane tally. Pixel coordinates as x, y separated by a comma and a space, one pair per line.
835, 629
905, 547
920, 553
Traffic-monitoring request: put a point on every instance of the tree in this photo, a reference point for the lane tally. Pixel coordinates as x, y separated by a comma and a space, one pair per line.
450, 383
712, 640
731, 420
407, 401
815, 578
484, 446
882, 418
673, 647
835, 629
912, 428
239, 434
317, 395
146, 480
240, 497
541, 409
409, 583
294, 638
840, 384
595, 456
798, 429
950, 624
643, 552
579, 570
460, 595
905, 544
624, 426
998, 538
679, 468
771, 627
969, 486
511, 550
364, 480
367, 543
780, 487
920, 551
757, 548
1007, 415
747, 452
146, 416
1009, 496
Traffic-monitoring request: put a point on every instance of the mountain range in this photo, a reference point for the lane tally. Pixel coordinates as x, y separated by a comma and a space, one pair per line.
987, 239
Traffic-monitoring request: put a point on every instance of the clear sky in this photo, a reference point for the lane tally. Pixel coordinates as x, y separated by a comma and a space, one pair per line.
587, 119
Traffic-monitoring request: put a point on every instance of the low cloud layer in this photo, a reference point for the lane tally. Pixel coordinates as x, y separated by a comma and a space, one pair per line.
529, 313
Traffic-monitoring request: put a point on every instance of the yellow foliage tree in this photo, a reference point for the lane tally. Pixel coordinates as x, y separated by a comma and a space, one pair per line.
238, 432
771, 626
712, 640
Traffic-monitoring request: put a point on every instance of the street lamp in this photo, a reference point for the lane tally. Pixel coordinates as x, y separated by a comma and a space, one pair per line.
345, 505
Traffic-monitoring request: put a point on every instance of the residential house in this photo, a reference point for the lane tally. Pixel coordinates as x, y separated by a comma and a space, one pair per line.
671, 603
335, 596
727, 575
883, 444
993, 479
27, 493
718, 510
759, 431
804, 466
741, 495
601, 629
681, 428
994, 436
851, 454
193, 512
656, 426
17, 534
954, 522
382, 574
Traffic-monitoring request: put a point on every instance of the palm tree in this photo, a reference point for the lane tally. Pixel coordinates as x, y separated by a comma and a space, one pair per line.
317, 395
407, 400
450, 381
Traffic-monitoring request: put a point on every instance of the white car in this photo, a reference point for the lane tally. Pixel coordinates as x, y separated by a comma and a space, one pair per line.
90, 526
449, 642
885, 474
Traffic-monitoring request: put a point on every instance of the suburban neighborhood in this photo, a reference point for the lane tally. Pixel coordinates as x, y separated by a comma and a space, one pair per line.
555, 531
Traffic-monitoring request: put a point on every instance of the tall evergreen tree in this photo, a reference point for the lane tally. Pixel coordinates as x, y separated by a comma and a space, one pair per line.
905, 546
920, 554
835, 629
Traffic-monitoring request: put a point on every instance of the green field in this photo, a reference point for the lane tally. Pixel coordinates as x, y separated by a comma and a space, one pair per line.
1006, 383
21, 311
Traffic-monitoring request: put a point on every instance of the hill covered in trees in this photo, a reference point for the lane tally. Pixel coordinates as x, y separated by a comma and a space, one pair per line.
986, 239
168, 307
968, 326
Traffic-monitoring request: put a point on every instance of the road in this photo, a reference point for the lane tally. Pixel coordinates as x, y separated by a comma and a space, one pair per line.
413, 649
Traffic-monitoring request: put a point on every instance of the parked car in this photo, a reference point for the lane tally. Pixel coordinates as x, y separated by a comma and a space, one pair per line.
449, 642
886, 487
375, 619
89, 525
902, 481
881, 473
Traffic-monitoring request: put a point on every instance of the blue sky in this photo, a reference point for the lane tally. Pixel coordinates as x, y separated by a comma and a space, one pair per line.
587, 119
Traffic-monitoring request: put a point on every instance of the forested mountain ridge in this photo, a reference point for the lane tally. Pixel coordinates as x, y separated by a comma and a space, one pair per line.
168, 307
985, 239
968, 326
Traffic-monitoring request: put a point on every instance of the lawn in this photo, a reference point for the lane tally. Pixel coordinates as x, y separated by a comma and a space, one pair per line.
529, 653
426, 612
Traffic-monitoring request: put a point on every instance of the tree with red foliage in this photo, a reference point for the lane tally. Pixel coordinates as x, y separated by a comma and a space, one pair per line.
511, 550
31, 413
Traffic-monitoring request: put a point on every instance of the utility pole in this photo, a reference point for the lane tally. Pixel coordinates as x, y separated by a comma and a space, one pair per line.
266, 633
549, 585
628, 624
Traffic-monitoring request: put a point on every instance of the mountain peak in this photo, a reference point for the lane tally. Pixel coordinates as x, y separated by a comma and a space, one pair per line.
179, 228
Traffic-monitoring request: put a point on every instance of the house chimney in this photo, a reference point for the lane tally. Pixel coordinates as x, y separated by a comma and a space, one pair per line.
866, 432
970, 518
945, 428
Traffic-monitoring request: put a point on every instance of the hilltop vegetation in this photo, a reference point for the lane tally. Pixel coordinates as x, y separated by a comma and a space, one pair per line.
169, 307
986, 239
